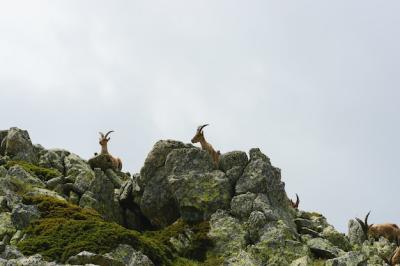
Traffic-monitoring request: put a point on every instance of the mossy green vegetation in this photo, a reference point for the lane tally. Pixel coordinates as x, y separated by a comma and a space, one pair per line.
65, 230
44, 174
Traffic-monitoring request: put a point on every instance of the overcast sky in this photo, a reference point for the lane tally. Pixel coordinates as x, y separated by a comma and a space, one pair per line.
314, 84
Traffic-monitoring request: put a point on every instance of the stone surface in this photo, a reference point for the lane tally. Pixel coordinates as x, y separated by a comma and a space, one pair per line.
22, 215
6, 225
100, 196
21, 174
348, 259
18, 145
355, 232
86, 257
322, 248
242, 205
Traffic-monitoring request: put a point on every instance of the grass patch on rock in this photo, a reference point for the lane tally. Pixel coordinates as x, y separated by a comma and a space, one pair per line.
44, 174
65, 229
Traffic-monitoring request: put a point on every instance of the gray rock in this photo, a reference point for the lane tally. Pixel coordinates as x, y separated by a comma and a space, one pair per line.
233, 159
128, 256
35, 260
200, 195
227, 234
54, 182
17, 144
166, 185
242, 205
115, 179
6, 225
102, 161
86, 257
3, 171
241, 259
21, 174
348, 259
156, 159
78, 171
11, 252
355, 232
322, 248
22, 215
303, 261
37, 192
53, 159
260, 176
100, 196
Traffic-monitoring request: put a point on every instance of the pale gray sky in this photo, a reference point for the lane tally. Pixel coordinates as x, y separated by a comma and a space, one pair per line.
314, 84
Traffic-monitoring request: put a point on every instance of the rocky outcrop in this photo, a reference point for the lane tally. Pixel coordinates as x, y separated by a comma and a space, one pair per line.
181, 208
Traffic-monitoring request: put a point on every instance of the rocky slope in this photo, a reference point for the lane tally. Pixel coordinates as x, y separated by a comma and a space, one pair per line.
56, 209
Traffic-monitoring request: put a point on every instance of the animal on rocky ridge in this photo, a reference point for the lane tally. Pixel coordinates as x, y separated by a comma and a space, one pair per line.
387, 230
117, 163
199, 137
295, 204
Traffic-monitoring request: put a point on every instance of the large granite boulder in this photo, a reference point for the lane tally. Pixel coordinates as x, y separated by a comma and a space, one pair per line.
18, 145
179, 179
22, 215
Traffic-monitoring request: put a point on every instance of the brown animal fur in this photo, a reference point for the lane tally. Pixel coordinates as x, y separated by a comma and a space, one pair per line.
199, 137
117, 163
394, 258
387, 230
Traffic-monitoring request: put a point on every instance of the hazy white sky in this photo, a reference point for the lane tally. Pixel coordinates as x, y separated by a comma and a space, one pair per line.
314, 84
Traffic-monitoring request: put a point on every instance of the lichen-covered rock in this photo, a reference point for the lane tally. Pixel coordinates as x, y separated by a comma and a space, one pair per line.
23, 214
100, 196
279, 245
11, 252
200, 195
86, 257
355, 232
40, 192
156, 159
260, 176
129, 256
227, 233
336, 238
233, 164
348, 259
3, 171
24, 176
303, 261
6, 225
242, 205
35, 260
102, 161
78, 171
322, 248
242, 259
53, 159
183, 183
18, 145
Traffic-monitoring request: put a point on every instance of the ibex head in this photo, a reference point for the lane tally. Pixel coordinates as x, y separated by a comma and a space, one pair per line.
364, 225
199, 134
104, 138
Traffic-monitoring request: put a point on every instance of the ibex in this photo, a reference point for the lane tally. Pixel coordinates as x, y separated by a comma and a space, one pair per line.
295, 204
199, 137
394, 258
386, 230
117, 163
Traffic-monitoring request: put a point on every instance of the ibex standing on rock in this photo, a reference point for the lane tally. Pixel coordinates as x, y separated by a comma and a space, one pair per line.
104, 150
387, 230
199, 137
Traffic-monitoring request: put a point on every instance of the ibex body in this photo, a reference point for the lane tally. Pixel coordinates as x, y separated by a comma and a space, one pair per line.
199, 137
117, 163
387, 230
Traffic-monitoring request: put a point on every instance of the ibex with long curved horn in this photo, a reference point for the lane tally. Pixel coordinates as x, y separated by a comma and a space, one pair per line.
199, 137
386, 230
104, 150
295, 205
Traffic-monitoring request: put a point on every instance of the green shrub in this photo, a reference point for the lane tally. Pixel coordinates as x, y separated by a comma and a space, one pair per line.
44, 174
